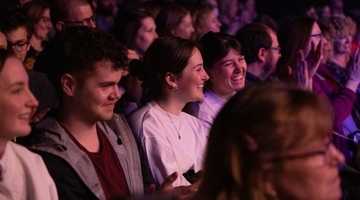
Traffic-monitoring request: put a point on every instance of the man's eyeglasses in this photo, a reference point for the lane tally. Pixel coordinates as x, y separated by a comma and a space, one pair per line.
275, 48
19, 46
85, 22
318, 158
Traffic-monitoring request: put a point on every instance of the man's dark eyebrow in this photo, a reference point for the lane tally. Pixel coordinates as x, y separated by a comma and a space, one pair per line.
107, 83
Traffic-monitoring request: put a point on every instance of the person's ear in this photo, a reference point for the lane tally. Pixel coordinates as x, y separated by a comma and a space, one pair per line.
59, 25
28, 47
261, 55
171, 81
68, 84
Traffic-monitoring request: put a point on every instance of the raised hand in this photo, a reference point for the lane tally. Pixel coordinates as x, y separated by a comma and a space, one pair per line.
354, 72
300, 72
314, 58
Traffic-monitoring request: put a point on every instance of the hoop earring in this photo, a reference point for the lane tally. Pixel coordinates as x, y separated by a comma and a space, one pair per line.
274, 195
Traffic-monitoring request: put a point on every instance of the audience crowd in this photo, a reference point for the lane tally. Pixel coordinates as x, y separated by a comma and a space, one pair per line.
172, 99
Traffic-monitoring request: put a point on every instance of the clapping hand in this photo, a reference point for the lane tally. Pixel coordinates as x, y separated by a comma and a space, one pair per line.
354, 68
180, 192
354, 72
314, 58
301, 74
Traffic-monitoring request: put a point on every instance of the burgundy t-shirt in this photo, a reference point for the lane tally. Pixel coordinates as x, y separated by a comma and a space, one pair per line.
107, 167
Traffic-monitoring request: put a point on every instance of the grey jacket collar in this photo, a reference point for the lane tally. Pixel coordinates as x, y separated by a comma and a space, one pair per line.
52, 138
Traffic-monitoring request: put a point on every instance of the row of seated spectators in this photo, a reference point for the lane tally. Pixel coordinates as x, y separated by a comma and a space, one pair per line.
176, 103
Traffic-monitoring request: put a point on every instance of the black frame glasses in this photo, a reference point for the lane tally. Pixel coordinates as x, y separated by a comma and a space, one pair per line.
19, 46
84, 22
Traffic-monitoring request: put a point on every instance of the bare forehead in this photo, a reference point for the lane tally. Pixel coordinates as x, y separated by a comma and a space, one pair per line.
148, 21
13, 71
79, 12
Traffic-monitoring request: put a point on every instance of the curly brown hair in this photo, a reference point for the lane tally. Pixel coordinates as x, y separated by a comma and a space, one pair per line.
339, 26
77, 49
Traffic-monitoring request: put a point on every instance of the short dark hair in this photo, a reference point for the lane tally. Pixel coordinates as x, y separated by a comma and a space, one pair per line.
215, 46
127, 24
12, 18
252, 37
165, 54
169, 17
59, 9
77, 49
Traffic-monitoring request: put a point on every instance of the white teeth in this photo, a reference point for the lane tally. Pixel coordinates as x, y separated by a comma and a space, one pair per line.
24, 116
201, 86
237, 78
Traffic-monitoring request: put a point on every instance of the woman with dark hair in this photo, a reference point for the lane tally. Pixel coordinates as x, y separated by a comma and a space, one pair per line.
38, 13
301, 39
174, 20
23, 174
272, 142
299, 36
135, 28
170, 140
224, 62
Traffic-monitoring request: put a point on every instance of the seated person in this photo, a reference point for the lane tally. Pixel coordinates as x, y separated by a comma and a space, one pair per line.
170, 140
90, 152
272, 142
23, 174
38, 13
205, 20
174, 20
87, 157
261, 50
18, 32
224, 62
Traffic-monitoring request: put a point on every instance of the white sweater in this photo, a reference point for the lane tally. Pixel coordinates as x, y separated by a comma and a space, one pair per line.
24, 175
165, 152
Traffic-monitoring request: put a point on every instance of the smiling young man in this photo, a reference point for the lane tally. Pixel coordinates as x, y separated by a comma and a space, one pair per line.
261, 51
87, 158
90, 152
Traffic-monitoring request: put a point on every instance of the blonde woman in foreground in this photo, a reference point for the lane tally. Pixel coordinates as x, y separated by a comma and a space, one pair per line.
272, 142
